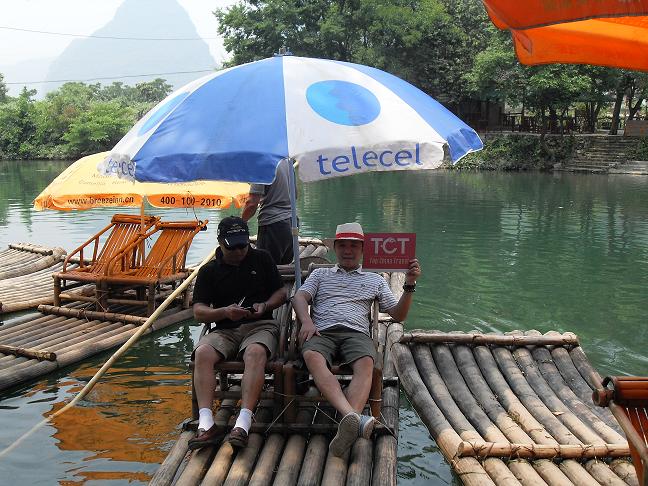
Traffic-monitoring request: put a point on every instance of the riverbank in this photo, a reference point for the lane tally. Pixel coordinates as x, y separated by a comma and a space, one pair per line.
596, 153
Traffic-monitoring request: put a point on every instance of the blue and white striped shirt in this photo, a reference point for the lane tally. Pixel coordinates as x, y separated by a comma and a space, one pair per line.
345, 298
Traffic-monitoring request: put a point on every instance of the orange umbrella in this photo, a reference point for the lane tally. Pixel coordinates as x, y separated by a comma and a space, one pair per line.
606, 32
81, 186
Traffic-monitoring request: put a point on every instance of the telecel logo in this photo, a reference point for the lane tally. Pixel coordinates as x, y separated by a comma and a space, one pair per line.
369, 159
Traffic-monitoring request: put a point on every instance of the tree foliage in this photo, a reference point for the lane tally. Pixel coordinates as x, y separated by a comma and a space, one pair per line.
77, 119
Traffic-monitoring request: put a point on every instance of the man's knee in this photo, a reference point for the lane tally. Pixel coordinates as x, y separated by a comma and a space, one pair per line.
313, 359
363, 366
255, 355
206, 356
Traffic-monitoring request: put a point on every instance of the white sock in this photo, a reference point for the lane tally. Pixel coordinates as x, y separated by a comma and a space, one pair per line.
206, 418
244, 419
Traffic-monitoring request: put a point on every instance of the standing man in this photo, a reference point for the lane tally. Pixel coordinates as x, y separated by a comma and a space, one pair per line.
341, 299
237, 290
273, 201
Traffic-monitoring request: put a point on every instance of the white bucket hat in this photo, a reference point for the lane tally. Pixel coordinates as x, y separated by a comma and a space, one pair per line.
346, 231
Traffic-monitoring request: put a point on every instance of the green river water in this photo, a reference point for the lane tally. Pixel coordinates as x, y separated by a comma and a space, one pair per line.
498, 251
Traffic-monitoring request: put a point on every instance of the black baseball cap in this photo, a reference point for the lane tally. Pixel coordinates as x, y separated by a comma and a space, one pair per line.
233, 231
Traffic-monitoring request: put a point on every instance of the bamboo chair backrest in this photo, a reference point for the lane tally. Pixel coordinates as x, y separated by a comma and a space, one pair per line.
630, 394
125, 229
169, 252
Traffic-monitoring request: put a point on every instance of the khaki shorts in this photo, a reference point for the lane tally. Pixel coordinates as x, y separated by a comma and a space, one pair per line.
231, 343
343, 343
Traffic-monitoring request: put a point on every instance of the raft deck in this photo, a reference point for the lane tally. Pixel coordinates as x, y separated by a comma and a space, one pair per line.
294, 453
512, 409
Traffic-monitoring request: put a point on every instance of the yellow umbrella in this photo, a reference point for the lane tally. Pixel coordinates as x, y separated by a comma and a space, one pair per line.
81, 186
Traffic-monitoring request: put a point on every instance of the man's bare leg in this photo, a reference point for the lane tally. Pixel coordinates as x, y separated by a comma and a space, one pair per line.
326, 382
358, 390
205, 358
255, 358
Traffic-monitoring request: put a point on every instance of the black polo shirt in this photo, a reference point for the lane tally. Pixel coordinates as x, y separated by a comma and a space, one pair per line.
219, 284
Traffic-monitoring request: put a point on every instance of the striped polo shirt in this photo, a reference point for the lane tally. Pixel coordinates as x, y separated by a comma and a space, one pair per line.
345, 298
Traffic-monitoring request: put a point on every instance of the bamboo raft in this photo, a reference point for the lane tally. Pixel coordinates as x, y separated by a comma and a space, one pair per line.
512, 409
26, 275
284, 453
42, 342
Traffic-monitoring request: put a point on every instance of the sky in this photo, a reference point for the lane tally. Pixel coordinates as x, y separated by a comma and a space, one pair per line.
81, 17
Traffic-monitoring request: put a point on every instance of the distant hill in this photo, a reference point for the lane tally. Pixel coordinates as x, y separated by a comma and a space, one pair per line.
103, 58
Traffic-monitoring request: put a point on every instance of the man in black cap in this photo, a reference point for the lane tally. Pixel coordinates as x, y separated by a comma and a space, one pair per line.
237, 290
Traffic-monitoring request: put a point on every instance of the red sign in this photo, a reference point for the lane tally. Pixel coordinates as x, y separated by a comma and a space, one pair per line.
388, 252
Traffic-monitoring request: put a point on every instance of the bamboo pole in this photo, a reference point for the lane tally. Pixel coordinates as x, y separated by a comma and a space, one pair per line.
386, 446
167, 470
448, 389
524, 473
576, 473
201, 461
426, 367
540, 451
554, 379
463, 397
86, 389
295, 448
312, 468
567, 339
625, 470
360, 462
469, 470
602, 473
18, 327
241, 469
28, 353
267, 462
573, 378
550, 473
87, 314
485, 397
527, 396
530, 369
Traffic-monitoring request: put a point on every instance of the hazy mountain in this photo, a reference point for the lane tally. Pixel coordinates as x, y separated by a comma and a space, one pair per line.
32, 70
92, 58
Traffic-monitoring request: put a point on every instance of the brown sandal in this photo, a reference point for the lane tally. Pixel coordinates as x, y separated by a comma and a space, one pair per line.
238, 438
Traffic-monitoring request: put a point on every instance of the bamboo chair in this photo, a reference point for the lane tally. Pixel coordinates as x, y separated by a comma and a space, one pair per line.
124, 231
230, 372
296, 372
164, 264
627, 399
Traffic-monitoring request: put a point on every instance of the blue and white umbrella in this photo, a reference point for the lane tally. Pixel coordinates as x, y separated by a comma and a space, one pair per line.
334, 118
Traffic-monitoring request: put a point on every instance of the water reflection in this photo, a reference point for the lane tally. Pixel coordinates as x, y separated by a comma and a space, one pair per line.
499, 252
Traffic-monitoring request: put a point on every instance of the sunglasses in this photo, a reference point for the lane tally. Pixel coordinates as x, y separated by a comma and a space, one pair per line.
240, 246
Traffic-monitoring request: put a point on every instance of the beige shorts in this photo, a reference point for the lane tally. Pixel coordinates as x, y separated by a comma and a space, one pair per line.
231, 343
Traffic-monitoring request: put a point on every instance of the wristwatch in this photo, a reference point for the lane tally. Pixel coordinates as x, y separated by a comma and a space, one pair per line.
409, 288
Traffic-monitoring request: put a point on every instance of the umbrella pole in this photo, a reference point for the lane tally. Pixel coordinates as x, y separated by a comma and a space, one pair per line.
142, 217
294, 225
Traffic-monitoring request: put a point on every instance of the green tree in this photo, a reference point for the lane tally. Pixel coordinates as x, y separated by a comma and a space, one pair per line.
18, 126
98, 128
415, 40
3, 89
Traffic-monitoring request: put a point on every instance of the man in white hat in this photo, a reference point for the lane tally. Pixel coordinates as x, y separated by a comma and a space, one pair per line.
341, 299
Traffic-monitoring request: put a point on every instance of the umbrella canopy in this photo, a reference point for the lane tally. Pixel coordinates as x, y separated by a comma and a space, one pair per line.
80, 186
605, 32
334, 118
